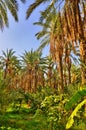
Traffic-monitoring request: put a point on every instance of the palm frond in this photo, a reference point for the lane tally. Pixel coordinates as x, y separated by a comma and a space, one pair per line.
23, 1
71, 118
3, 14
42, 24
33, 6
1, 23
77, 97
42, 46
46, 38
41, 34
13, 7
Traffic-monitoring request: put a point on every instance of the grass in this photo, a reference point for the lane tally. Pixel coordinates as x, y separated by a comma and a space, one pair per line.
26, 120
22, 121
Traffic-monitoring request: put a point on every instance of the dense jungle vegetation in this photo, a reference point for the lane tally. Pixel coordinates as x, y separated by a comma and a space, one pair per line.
46, 93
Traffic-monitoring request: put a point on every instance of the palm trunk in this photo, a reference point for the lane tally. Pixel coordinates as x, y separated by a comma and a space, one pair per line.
61, 73
5, 71
82, 43
35, 80
83, 60
50, 76
30, 80
69, 76
69, 70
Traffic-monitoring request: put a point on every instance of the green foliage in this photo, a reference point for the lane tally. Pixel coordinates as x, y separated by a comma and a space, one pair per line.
75, 98
71, 120
71, 89
33, 100
53, 107
4, 96
23, 121
17, 99
9, 128
53, 100
81, 125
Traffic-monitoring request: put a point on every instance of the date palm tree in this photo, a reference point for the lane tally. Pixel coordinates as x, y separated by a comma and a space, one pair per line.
8, 62
51, 72
52, 34
10, 68
74, 12
75, 28
32, 70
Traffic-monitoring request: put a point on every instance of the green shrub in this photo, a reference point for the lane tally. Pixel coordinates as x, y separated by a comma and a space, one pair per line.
53, 107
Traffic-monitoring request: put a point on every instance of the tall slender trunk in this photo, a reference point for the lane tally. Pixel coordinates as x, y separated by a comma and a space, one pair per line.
69, 76
69, 70
61, 73
30, 80
65, 64
6, 70
82, 44
50, 76
83, 60
35, 79
42, 80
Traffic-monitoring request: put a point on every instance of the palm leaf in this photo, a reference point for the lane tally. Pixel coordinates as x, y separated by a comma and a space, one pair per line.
3, 14
41, 34
42, 46
23, 1
77, 97
33, 6
71, 120
13, 7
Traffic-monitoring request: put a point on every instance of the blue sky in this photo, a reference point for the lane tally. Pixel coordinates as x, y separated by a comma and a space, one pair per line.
21, 36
